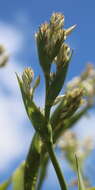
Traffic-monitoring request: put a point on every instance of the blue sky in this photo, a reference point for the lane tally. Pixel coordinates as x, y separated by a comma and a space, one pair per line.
28, 15
19, 21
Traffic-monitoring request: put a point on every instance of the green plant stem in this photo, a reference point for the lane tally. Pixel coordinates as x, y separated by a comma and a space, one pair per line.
49, 144
56, 167
56, 134
47, 107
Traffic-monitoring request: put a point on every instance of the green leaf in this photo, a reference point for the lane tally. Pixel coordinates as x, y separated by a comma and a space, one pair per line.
43, 170
81, 185
18, 178
36, 84
76, 117
57, 83
44, 60
32, 163
34, 113
5, 185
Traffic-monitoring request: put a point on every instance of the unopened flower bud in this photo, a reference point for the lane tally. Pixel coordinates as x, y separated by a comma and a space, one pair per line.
58, 99
27, 78
50, 37
43, 32
72, 101
69, 30
57, 21
64, 55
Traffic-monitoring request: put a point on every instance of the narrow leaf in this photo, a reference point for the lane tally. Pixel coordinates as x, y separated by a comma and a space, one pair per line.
5, 185
33, 112
18, 178
57, 83
32, 163
81, 185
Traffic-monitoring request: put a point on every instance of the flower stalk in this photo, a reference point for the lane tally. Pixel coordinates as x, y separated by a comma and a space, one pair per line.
49, 127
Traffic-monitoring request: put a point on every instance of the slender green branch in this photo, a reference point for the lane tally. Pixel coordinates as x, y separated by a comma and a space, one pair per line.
56, 134
57, 167
47, 107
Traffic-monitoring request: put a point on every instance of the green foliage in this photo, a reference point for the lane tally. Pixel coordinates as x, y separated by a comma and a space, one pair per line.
18, 178
5, 185
81, 185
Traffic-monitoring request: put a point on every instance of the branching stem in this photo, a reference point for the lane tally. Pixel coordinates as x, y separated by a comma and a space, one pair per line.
56, 167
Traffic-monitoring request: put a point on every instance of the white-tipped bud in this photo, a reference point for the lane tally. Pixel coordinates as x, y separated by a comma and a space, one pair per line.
27, 78
58, 99
28, 75
70, 30
57, 21
64, 54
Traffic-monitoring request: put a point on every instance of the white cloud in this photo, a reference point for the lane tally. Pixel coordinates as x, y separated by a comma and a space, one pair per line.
10, 37
13, 139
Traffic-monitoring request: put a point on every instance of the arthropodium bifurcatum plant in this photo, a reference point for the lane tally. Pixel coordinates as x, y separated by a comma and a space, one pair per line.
50, 125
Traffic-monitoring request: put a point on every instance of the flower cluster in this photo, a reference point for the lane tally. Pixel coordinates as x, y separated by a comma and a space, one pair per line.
50, 40
71, 102
70, 145
27, 79
86, 81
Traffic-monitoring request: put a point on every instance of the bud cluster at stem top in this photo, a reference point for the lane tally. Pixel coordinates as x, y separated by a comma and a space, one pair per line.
50, 37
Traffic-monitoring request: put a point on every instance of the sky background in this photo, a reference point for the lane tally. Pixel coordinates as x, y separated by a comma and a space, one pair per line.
19, 21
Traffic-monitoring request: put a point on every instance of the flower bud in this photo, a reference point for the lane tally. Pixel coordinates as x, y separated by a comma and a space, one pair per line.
58, 99
50, 37
63, 55
57, 21
27, 78
71, 102
69, 30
